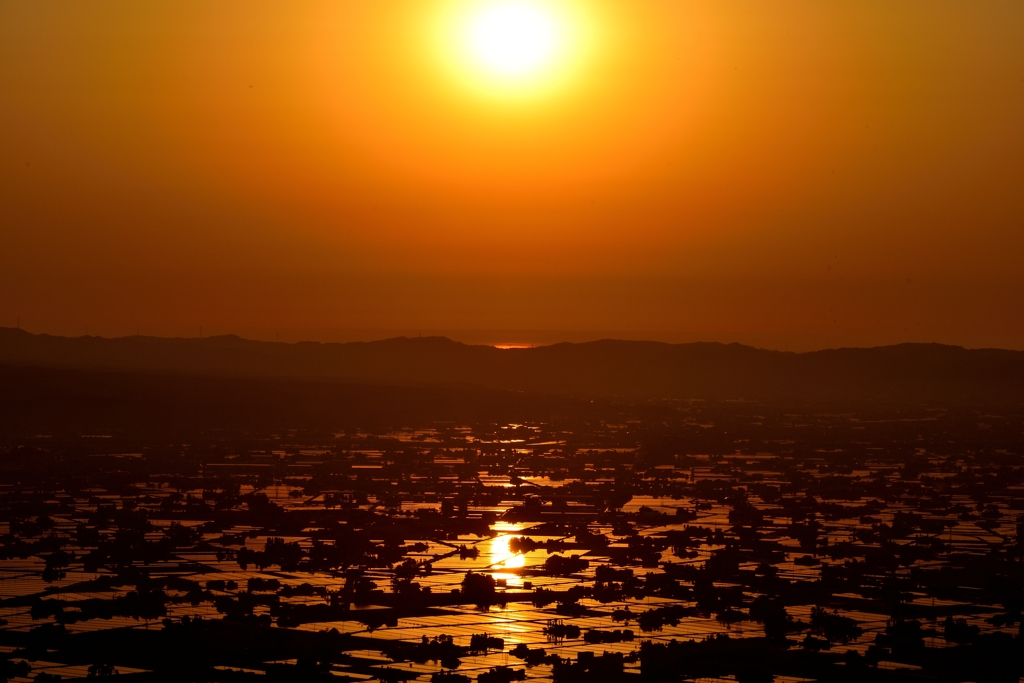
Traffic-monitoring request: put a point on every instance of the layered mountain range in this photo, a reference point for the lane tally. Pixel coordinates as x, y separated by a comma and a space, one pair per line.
606, 368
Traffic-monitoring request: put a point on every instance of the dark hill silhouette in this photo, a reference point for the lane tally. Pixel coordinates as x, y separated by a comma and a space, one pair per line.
633, 369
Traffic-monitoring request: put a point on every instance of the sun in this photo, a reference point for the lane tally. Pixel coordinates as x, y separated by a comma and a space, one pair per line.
513, 38
508, 50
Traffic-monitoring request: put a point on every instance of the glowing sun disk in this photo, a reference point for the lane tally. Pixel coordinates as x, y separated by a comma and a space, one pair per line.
513, 37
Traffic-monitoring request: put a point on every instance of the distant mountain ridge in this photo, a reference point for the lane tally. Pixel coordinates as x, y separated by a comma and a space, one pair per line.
634, 369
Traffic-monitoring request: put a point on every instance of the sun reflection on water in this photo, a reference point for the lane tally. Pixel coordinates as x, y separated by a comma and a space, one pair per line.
502, 557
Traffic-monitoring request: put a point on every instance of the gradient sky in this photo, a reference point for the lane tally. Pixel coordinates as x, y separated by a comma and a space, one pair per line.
788, 174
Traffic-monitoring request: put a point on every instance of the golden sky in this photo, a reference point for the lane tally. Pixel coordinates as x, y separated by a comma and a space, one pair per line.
789, 174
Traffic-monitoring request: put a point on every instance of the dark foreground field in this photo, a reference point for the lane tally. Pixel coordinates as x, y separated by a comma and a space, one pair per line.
185, 527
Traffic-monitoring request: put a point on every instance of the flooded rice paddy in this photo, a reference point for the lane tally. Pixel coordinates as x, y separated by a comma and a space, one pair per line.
729, 545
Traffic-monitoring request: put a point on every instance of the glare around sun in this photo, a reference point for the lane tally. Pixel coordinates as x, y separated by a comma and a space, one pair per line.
513, 37
509, 50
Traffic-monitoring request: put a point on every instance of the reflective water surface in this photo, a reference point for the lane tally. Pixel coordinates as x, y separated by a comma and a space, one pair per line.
835, 545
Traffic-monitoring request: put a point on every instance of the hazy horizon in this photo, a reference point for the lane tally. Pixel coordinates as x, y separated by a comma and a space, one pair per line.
509, 338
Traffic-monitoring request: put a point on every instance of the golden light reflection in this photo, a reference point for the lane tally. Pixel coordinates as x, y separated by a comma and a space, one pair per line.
503, 558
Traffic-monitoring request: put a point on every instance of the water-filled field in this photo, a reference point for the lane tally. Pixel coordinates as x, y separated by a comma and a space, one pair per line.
724, 542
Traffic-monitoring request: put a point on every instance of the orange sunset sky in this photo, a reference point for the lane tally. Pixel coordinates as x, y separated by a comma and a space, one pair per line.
787, 174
